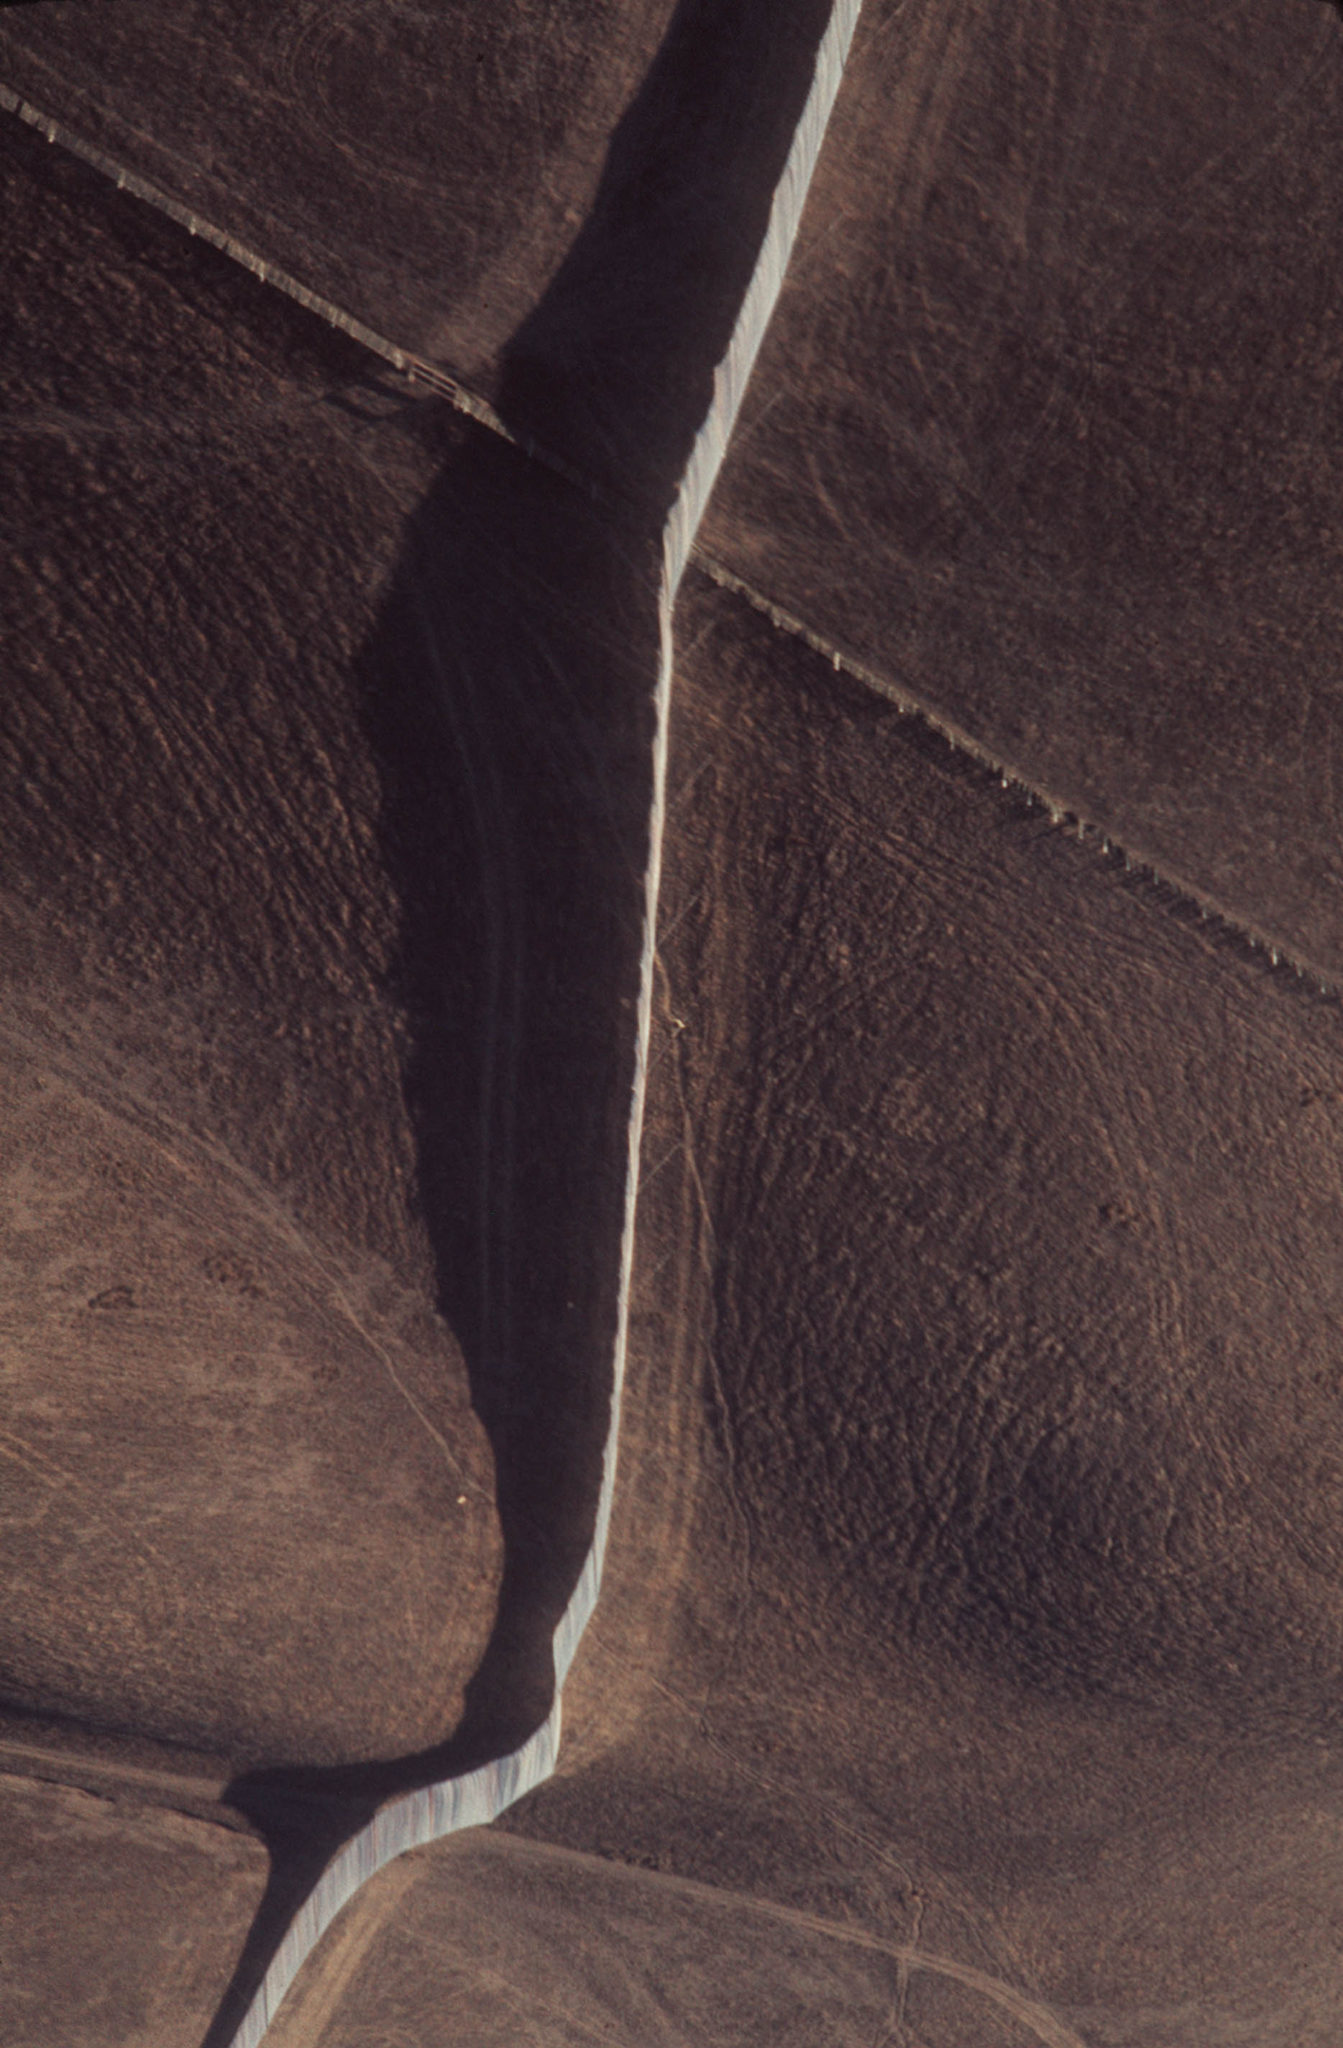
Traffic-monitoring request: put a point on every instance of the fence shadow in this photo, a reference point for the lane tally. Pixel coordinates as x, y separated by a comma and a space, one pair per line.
507, 702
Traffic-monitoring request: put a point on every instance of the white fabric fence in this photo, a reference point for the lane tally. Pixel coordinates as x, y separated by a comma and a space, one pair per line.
480, 1796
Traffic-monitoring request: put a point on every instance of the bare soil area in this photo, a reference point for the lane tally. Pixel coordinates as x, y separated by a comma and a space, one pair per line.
327, 790
497, 1936
1006, 1622
1046, 427
426, 167
159, 1903
969, 1661
203, 1047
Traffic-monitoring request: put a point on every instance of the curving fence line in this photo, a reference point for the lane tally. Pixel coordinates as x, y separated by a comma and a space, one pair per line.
480, 1796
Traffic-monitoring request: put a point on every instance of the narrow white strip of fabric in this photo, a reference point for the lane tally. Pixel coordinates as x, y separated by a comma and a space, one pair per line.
482, 1795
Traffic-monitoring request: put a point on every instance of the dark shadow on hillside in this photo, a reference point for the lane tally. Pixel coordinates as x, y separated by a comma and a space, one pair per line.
614, 368
508, 705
